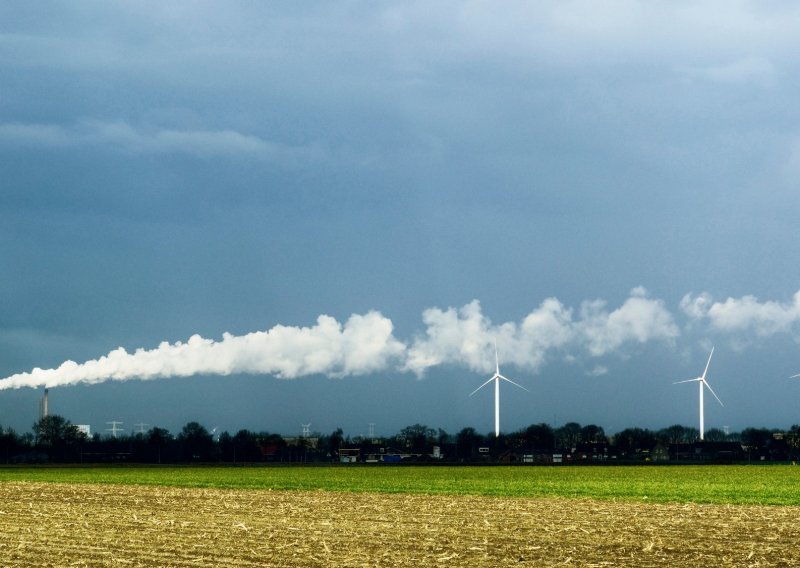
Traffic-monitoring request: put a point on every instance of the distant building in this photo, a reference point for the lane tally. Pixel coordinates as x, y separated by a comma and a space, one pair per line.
85, 429
307, 441
269, 451
349, 455
717, 452
531, 455
660, 452
591, 451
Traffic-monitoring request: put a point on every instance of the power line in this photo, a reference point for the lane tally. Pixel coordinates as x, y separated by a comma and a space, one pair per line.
115, 427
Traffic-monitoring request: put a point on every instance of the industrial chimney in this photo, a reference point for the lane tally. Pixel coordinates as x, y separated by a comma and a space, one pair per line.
43, 406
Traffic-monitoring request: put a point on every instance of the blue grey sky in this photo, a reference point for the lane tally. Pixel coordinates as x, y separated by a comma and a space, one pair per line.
364, 196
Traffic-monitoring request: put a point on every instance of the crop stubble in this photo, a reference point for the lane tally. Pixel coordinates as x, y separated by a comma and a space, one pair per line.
52, 524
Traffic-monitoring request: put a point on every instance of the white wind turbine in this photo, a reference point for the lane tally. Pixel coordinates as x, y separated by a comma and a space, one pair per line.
701, 382
496, 378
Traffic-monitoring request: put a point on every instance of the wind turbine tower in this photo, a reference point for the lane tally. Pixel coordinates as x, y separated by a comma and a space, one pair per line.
497, 377
702, 384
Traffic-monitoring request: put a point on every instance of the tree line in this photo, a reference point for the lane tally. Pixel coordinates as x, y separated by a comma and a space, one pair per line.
55, 439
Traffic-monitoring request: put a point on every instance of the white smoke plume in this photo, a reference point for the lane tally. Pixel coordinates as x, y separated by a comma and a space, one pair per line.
467, 337
744, 314
639, 319
366, 344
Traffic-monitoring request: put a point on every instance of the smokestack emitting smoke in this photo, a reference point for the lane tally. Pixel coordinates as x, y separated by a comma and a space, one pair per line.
366, 344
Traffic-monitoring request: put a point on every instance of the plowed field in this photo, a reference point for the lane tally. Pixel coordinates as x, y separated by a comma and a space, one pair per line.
51, 524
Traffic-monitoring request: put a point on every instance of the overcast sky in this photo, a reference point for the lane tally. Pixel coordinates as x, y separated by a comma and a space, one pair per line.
348, 203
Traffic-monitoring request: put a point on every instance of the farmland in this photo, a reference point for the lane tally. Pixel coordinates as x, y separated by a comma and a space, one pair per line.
760, 485
404, 516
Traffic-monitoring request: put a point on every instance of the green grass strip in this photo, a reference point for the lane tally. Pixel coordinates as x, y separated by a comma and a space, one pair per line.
750, 484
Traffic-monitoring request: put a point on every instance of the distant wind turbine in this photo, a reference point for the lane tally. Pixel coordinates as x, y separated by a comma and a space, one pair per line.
701, 382
496, 378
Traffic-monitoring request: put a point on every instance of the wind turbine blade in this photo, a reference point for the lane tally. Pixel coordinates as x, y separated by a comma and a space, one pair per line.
483, 385
687, 381
707, 364
712, 392
496, 359
512, 382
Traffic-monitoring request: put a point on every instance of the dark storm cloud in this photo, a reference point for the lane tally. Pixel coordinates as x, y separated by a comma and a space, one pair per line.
186, 168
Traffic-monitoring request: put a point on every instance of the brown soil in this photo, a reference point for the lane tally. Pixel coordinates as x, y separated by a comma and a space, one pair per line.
104, 525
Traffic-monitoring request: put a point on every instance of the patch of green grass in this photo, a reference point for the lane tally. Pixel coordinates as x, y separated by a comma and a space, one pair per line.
766, 485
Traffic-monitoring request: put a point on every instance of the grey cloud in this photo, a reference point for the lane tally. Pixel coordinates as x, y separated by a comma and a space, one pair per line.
751, 70
35, 135
121, 136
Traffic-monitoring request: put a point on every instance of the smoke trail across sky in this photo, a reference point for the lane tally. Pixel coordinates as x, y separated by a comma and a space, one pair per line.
363, 344
366, 344
453, 336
